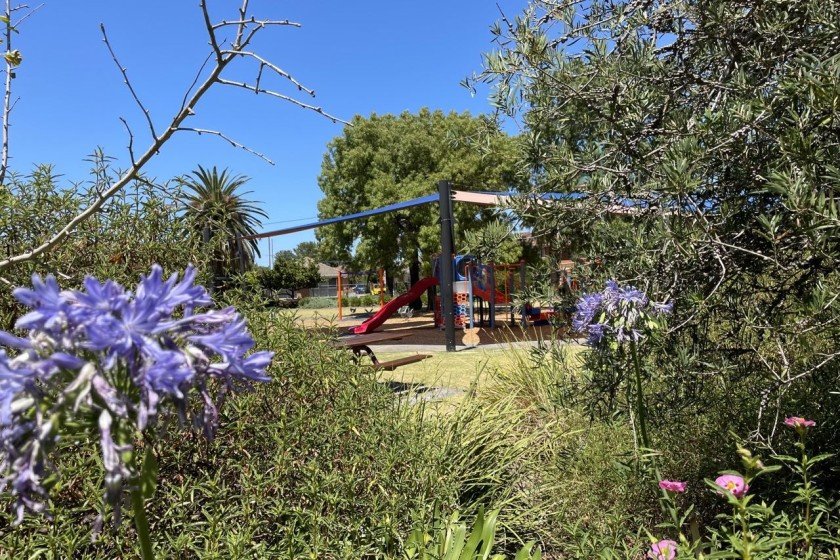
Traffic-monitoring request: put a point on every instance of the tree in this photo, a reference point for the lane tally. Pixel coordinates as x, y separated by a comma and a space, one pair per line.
386, 159
717, 120
292, 272
308, 250
216, 206
229, 40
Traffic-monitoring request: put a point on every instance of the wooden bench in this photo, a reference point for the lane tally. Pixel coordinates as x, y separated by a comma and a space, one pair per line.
391, 365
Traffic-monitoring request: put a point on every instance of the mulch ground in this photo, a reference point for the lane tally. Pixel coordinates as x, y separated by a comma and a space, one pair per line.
423, 331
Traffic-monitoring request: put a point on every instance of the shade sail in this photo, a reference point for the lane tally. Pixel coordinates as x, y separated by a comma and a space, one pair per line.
349, 217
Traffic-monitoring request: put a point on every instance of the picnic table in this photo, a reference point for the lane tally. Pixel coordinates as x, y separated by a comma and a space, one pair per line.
360, 345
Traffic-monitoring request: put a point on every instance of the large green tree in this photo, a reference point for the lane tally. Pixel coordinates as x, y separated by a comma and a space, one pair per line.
720, 119
385, 159
216, 205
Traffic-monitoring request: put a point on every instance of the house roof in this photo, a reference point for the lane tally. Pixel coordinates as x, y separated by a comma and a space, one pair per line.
327, 271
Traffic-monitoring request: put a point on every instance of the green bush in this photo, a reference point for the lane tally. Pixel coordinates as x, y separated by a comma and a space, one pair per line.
322, 462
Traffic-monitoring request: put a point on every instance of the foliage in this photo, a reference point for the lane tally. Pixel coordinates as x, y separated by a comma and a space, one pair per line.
451, 541
494, 242
700, 141
218, 210
137, 228
386, 159
107, 363
291, 272
321, 462
308, 250
804, 525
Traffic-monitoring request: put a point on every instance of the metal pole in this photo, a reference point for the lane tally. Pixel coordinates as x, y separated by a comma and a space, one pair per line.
338, 287
522, 288
447, 249
491, 288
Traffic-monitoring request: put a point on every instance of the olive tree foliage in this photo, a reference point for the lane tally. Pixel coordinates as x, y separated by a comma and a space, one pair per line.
495, 242
384, 159
718, 123
231, 61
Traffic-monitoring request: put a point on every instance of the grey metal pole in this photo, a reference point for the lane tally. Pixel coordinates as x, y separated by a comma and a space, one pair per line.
447, 274
522, 287
491, 289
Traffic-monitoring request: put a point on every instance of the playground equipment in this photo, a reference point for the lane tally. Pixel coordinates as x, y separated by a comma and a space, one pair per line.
341, 288
393, 306
444, 198
474, 283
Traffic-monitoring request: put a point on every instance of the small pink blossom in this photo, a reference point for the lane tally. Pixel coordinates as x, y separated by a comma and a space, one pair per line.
663, 550
799, 422
734, 484
674, 486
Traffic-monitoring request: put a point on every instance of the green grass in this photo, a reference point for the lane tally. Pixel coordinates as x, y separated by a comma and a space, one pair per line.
456, 370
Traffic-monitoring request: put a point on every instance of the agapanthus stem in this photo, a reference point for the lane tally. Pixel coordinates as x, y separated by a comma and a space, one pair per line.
141, 523
640, 397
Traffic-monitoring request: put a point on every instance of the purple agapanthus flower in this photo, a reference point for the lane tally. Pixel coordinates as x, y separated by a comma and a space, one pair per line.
118, 356
617, 314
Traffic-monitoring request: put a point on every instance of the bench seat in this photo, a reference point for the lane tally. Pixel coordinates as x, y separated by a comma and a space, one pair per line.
391, 365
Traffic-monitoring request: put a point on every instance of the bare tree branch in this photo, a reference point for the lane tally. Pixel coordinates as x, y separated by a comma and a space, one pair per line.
243, 35
130, 141
128, 82
228, 139
277, 70
256, 22
291, 100
210, 31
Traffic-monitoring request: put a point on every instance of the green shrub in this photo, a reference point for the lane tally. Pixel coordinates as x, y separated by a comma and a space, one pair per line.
322, 462
450, 540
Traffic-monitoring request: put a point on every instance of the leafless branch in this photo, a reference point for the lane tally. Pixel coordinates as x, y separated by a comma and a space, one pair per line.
228, 139
130, 141
291, 100
195, 80
277, 70
27, 15
194, 94
256, 22
211, 33
128, 82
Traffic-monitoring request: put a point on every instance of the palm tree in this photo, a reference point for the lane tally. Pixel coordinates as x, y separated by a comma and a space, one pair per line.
217, 208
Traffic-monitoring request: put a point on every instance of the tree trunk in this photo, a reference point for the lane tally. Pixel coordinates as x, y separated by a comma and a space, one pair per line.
414, 277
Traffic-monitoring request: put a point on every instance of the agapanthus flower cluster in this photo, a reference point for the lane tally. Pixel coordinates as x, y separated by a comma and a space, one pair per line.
119, 357
616, 313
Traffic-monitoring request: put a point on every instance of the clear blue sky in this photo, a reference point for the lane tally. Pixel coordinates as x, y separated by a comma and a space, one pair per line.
364, 56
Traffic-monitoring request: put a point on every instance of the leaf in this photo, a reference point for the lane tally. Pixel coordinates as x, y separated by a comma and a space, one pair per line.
14, 58
148, 474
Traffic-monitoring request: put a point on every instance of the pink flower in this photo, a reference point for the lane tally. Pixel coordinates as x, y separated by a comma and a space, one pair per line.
674, 486
799, 422
663, 550
734, 484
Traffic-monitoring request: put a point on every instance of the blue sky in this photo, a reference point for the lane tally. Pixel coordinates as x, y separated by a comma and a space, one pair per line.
360, 57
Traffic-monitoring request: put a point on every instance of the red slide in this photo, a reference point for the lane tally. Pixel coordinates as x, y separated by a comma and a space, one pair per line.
485, 295
391, 307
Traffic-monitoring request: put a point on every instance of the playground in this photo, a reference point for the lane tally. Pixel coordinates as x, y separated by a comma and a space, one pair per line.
479, 300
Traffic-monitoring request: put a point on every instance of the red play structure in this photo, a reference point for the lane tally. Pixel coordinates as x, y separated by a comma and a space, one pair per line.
373, 322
